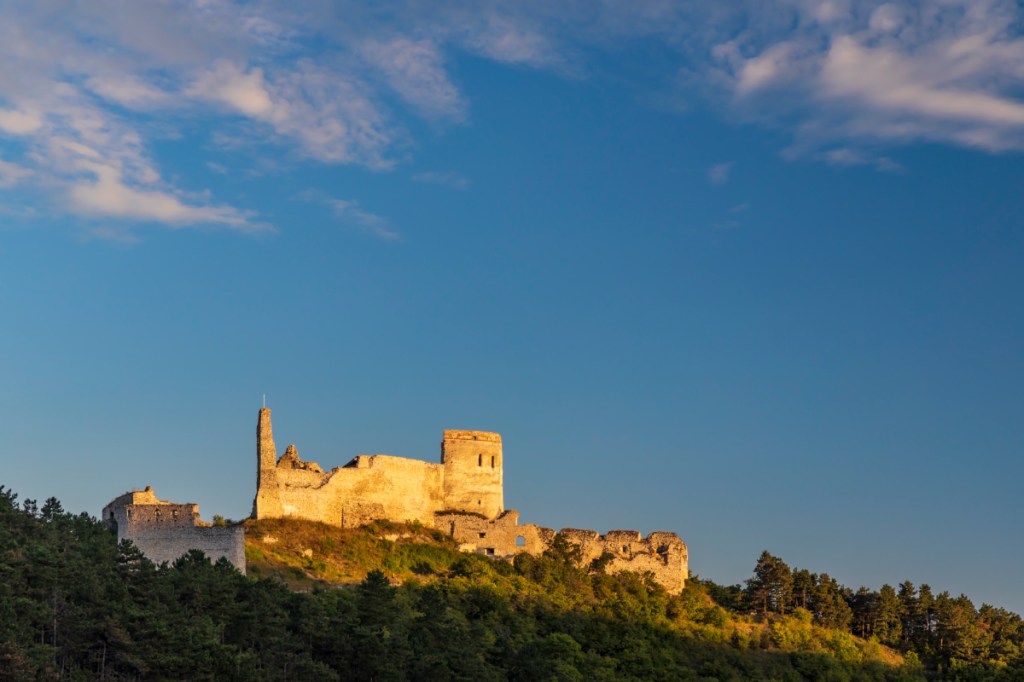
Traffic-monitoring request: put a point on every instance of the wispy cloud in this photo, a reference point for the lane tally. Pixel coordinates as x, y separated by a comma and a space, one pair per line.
415, 70
86, 84
451, 180
350, 213
866, 75
12, 173
107, 195
851, 156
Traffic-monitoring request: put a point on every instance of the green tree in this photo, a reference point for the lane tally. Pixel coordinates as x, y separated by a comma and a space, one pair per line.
770, 587
829, 607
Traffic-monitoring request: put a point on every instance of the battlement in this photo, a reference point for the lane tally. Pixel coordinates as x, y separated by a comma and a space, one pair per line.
486, 436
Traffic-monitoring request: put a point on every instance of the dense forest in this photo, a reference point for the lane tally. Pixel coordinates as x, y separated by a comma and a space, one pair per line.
400, 603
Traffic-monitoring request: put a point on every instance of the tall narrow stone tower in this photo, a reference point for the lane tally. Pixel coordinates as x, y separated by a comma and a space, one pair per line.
473, 472
268, 500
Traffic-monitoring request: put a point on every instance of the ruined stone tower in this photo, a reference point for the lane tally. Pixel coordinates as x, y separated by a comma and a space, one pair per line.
472, 472
267, 502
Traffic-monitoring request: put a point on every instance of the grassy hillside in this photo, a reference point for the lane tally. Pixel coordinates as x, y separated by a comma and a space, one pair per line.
308, 555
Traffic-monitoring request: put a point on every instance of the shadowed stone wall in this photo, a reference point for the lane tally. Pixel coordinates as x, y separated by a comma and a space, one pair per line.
164, 531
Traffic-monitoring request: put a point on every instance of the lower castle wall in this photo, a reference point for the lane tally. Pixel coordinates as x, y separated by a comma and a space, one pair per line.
164, 531
502, 536
167, 544
663, 555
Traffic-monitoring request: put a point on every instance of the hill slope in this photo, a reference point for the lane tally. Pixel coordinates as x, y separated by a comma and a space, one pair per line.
386, 603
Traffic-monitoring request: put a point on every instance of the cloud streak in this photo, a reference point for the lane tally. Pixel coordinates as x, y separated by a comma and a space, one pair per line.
85, 85
450, 180
350, 213
873, 74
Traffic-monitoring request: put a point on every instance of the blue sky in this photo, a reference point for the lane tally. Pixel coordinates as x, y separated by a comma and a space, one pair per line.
749, 274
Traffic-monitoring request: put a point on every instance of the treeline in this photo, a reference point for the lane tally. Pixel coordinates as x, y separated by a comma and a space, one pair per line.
943, 631
75, 605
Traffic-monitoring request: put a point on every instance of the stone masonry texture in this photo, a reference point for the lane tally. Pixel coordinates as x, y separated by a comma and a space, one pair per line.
463, 496
163, 531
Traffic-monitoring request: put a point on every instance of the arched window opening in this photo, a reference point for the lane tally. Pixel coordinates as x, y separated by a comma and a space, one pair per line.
492, 461
520, 541
480, 460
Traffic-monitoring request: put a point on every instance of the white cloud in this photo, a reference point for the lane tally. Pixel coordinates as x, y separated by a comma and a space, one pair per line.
85, 86
19, 122
129, 91
244, 91
774, 64
865, 74
415, 70
106, 195
451, 180
329, 116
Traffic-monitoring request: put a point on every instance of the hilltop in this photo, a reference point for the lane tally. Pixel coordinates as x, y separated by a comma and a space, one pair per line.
400, 602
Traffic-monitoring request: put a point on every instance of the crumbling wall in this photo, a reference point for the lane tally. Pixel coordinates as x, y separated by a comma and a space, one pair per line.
462, 496
663, 555
500, 537
372, 487
164, 531
369, 487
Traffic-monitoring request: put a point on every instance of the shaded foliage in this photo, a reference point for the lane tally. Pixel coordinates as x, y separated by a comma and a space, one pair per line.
76, 605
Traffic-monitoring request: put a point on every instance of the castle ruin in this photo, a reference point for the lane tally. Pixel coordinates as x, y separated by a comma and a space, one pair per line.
164, 531
463, 496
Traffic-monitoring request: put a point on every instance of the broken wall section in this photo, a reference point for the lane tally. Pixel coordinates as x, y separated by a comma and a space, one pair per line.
664, 555
164, 531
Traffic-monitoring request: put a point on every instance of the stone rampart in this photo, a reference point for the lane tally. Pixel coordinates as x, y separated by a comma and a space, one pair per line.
164, 531
463, 495
368, 488
372, 487
663, 555
501, 537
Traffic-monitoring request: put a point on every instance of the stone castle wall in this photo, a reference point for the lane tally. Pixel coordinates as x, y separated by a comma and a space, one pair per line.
164, 531
662, 554
463, 496
371, 487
